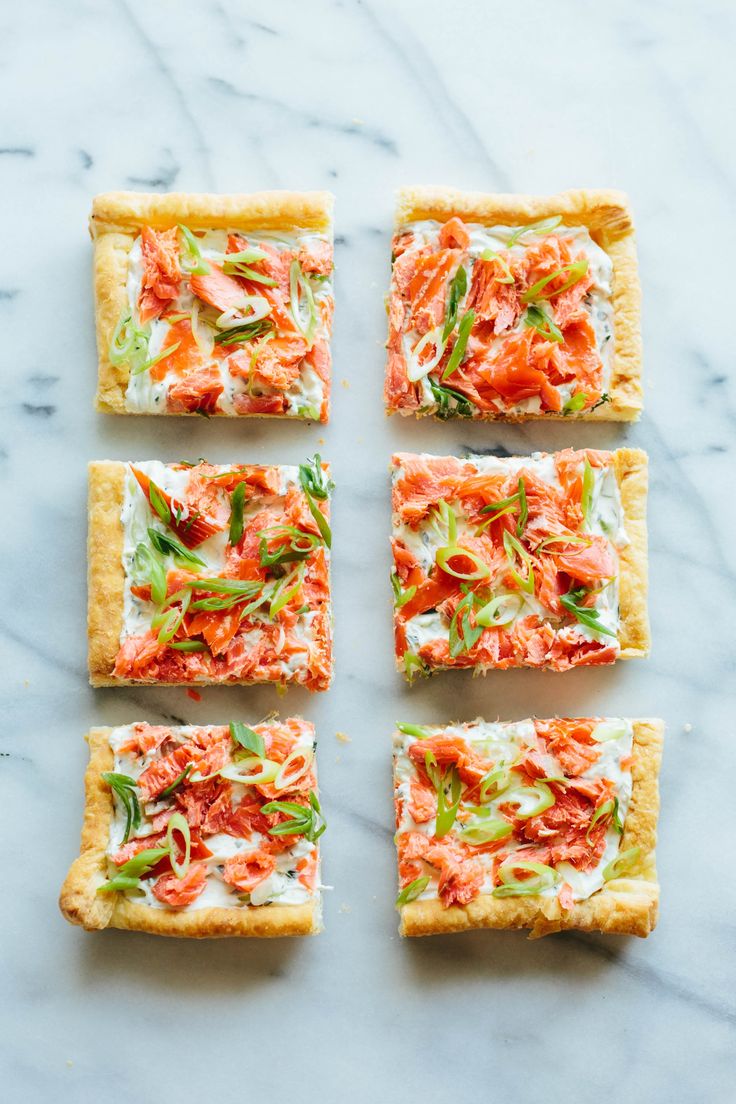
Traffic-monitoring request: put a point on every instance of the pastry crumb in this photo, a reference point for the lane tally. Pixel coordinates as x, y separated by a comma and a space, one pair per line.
345, 383
320, 440
342, 737
345, 908
687, 727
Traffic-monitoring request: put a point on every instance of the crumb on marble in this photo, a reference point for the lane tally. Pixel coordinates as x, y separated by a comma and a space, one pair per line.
342, 737
320, 440
194, 695
345, 907
345, 383
687, 727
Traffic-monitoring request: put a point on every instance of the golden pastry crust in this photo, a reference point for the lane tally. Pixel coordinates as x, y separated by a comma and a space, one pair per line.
105, 575
81, 904
106, 579
115, 222
623, 906
632, 477
607, 215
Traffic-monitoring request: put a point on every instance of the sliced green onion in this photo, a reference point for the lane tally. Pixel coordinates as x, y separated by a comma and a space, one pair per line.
146, 565
491, 255
576, 271
125, 788
584, 614
523, 509
170, 546
416, 368
540, 321
299, 547
540, 227
282, 593
418, 731
189, 646
233, 592
413, 665
287, 774
607, 808
575, 403
446, 811
500, 611
413, 890
129, 344
247, 332
513, 549
298, 282
192, 260
543, 877
305, 821
129, 874
159, 503
237, 499
450, 403
463, 635
155, 360
609, 730
248, 738
461, 342
236, 264
493, 784
571, 539
245, 772
485, 829
530, 801
458, 287
586, 498
177, 782
449, 552
401, 597
251, 255
314, 479
178, 823
170, 621
624, 863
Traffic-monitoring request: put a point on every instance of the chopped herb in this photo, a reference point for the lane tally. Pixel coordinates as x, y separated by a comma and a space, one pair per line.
523, 510
586, 495
189, 646
575, 403
458, 287
177, 781
192, 260
419, 731
299, 547
442, 781
575, 270
159, 503
155, 360
129, 874
146, 565
401, 597
463, 634
316, 485
540, 321
238, 335
445, 396
540, 227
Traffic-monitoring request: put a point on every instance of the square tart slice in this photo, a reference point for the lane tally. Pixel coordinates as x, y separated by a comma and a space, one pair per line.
514, 307
535, 561
199, 831
540, 824
205, 574
214, 304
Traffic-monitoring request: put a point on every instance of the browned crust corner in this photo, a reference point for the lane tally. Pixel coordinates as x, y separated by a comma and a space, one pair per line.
106, 577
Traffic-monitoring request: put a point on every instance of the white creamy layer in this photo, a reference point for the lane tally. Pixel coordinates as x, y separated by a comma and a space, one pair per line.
137, 517
598, 302
606, 520
506, 743
146, 396
282, 887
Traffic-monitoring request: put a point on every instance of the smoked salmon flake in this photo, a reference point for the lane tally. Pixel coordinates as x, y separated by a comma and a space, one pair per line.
494, 321
235, 860
226, 575
511, 807
507, 562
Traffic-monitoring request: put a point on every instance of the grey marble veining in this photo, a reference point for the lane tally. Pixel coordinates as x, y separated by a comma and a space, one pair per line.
360, 97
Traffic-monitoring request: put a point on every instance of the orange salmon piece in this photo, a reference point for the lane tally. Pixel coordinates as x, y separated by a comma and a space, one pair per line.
245, 872
161, 272
191, 530
198, 392
179, 892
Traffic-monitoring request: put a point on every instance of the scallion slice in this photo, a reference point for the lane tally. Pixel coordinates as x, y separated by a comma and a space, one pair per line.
129, 874
458, 288
417, 731
250, 771
586, 497
485, 829
299, 283
299, 546
401, 597
523, 508
542, 878
513, 548
500, 611
125, 789
177, 782
541, 227
461, 342
575, 403
450, 552
178, 823
170, 546
540, 321
146, 565
305, 821
575, 272
191, 259
491, 255
493, 784
294, 767
609, 730
158, 502
624, 863
155, 360
248, 738
530, 801
315, 485
608, 808
129, 344
283, 592
586, 615
413, 890
237, 500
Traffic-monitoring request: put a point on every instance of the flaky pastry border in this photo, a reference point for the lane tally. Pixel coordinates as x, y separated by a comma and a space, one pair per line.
607, 215
106, 583
81, 904
114, 224
624, 906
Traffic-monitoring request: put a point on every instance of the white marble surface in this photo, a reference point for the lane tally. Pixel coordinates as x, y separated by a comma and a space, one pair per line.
360, 97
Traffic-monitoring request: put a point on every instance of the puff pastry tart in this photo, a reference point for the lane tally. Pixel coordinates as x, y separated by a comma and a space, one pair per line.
199, 831
514, 307
541, 824
536, 561
214, 304
209, 574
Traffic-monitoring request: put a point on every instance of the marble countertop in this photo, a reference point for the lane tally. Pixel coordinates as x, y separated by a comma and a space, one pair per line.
360, 97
